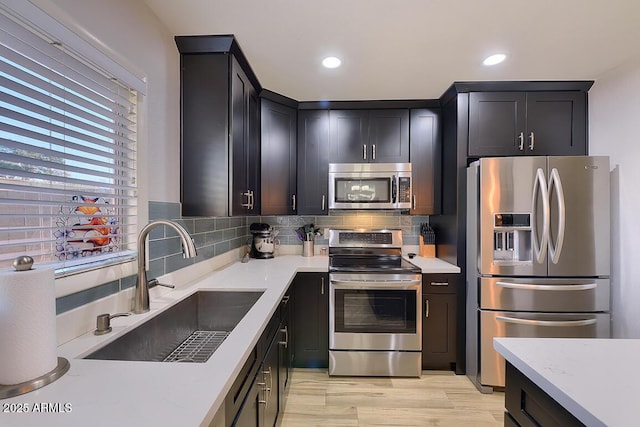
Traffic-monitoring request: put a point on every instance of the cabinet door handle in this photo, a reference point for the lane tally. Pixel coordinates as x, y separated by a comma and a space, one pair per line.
285, 343
364, 151
533, 141
413, 201
249, 204
521, 143
268, 372
426, 308
323, 198
373, 151
439, 283
322, 286
293, 204
263, 389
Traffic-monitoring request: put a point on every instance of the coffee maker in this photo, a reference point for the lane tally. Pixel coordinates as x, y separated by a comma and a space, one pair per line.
263, 242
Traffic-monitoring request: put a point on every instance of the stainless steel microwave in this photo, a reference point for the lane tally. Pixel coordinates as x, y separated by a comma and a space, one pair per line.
370, 186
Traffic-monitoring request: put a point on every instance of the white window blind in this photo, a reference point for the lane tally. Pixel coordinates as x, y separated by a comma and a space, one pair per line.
67, 153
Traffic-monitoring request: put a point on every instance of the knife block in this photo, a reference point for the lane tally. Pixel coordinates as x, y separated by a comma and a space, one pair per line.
427, 250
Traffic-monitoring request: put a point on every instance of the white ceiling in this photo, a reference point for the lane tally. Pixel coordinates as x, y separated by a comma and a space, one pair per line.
412, 49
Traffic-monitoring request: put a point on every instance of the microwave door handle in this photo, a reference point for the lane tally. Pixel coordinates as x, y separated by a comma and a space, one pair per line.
393, 189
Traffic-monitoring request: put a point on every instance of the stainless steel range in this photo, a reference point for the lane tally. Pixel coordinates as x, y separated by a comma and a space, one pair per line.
375, 295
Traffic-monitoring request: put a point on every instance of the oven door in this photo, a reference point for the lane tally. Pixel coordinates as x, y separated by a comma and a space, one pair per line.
375, 312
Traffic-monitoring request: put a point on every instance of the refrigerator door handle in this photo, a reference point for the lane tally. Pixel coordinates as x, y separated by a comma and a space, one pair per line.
532, 287
553, 323
556, 250
540, 184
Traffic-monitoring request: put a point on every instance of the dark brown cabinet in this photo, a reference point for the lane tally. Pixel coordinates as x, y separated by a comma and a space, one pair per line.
439, 321
268, 379
528, 405
313, 162
278, 158
255, 396
245, 144
285, 352
260, 407
527, 123
311, 320
424, 145
367, 136
220, 128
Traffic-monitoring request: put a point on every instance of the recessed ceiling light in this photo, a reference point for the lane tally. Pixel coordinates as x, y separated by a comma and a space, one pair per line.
494, 59
331, 62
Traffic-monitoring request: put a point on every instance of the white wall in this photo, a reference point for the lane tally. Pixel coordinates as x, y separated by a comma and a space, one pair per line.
131, 32
614, 122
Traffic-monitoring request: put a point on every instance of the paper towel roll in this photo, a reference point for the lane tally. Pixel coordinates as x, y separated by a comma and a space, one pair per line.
28, 342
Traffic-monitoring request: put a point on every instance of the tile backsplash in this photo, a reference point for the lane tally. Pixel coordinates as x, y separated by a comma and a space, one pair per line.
286, 225
216, 235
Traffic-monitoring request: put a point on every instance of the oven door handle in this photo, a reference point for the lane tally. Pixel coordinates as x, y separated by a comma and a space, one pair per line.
386, 284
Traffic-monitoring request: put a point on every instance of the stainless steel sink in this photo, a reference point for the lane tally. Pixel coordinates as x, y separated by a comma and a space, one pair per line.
189, 331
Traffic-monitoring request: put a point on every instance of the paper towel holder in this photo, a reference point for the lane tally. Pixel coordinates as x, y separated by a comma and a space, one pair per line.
12, 390
24, 263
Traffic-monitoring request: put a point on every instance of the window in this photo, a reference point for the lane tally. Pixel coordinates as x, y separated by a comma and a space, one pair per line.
67, 153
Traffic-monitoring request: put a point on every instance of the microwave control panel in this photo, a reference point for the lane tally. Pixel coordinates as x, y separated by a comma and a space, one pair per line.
404, 190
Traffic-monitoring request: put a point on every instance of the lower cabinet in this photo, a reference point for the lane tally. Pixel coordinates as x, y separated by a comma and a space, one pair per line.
529, 406
260, 406
285, 350
439, 321
311, 320
255, 398
297, 336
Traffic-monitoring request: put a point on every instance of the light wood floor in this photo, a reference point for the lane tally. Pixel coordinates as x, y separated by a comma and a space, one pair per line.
439, 398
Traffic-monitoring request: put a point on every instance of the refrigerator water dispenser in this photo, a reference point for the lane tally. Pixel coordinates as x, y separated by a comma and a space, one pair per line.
512, 238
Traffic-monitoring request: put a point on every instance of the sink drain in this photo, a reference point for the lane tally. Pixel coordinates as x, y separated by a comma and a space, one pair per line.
198, 347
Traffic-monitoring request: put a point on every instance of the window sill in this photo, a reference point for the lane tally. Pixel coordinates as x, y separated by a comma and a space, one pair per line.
75, 279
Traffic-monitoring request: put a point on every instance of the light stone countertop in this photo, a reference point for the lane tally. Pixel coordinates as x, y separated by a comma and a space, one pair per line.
433, 265
113, 393
594, 379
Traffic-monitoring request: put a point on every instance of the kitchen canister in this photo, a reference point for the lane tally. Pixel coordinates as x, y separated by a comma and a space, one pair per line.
307, 248
28, 340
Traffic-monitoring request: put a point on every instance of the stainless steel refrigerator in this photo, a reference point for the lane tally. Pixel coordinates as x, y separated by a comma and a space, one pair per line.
537, 254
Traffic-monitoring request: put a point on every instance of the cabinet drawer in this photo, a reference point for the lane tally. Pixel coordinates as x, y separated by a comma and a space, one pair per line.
268, 334
445, 283
531, 406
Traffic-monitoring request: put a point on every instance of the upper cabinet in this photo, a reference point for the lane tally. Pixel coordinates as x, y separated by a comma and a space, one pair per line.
204, 141
220, 128
245, 144
313, 162
425, 161
527, 123
279, 141
367, 136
